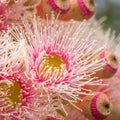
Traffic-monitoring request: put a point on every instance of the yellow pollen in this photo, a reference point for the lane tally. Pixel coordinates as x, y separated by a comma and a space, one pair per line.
10, 94
51, 64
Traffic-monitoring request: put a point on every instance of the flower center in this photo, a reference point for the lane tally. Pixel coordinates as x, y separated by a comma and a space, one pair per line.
10, 94
52, 64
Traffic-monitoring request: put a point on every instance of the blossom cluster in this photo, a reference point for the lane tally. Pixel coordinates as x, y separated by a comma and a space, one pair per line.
56, 66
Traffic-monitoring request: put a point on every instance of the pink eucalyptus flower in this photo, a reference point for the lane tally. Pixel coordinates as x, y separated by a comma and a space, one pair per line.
18, 96
59, 58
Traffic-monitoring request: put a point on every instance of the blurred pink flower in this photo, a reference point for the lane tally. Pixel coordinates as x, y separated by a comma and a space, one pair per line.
3, 19
18, 95
11, 11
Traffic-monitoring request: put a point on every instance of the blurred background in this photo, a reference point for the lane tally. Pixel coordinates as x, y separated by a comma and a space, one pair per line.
110, 9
